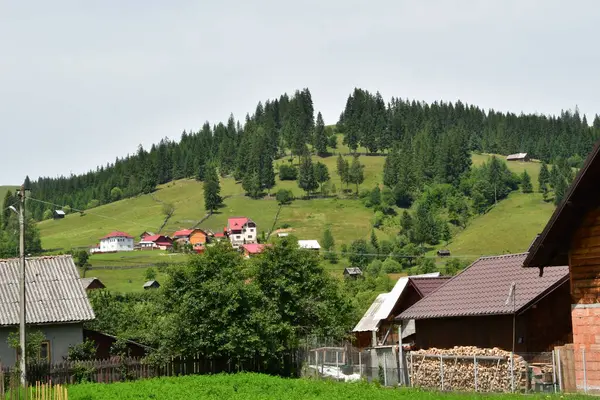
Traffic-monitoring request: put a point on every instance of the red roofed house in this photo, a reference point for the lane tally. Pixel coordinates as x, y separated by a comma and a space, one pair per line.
241, 230
116, 241
572, 237
252, 249
475, 308
156, 242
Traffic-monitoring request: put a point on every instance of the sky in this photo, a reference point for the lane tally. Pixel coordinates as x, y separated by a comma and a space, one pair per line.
82, 82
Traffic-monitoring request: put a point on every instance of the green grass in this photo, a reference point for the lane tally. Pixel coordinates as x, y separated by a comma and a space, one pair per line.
532, 167
123, 280
255, 386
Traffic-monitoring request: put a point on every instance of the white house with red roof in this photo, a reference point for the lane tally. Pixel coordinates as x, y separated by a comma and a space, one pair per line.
241, 230
116, 241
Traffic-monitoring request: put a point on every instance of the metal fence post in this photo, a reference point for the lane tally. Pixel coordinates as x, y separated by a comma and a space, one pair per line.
512, 372
442, 372
360, 363
412, 370
337, 364
475, 368
558, 361
554, 370
584, 370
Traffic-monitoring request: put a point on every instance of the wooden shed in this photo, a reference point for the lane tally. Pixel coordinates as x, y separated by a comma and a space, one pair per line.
572, 236
471, 309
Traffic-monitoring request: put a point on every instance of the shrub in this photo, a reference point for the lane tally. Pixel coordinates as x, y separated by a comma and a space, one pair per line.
284, 196
391, 266
378, 219
288, 172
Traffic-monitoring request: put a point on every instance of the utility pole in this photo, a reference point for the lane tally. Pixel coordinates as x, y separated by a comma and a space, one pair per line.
22, 336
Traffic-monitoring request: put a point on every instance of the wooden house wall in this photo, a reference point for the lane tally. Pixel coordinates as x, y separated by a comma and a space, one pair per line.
197, 237
584, 261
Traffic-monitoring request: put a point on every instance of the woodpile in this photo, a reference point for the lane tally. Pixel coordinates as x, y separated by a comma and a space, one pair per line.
467, 369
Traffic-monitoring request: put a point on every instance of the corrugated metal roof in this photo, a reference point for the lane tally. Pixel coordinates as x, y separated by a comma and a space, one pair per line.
384, 304
309, 244
54, 292
516, 156
483, 288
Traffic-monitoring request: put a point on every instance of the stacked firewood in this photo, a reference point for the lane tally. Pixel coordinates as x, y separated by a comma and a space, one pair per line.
467, 369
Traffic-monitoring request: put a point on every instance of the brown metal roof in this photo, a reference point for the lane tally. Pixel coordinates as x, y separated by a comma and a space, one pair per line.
53, 291
426, 286
483, 288
552, 246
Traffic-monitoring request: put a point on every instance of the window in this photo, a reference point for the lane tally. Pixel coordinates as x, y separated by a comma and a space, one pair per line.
249, 236
44, 354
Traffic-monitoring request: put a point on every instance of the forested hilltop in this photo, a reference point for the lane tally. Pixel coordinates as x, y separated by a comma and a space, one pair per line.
438, 137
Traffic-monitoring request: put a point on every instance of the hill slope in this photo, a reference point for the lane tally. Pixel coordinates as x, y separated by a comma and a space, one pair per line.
510, 226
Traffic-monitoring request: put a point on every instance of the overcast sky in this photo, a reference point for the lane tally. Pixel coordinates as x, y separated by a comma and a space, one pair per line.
82, 82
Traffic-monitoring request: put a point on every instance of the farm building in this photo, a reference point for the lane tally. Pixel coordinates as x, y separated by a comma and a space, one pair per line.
241, 230
57, 305
195, 237
377, 327
92, 283
471, 309
443, 253
146, 234
352, 272
156, 242
116, 241
58, 214
517, 157
252, 249
309, 244
572, 236
151, 285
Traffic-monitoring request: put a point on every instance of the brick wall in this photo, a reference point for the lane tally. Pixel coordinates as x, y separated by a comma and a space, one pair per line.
586, 341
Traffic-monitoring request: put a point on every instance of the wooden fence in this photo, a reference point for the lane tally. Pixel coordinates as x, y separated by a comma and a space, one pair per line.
119, 369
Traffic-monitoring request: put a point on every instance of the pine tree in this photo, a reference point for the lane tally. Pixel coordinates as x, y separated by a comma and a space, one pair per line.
328, 244
320, 139
212, 189
374, 241
526, 185
321, 174
355, 173
560, 189
267, 175
495, 175
9, 200
251, 185
390, 173
544, 176
426, 228
406, 222
306, 176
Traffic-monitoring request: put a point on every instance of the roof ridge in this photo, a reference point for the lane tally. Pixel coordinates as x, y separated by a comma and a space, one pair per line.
46, 257
501, 256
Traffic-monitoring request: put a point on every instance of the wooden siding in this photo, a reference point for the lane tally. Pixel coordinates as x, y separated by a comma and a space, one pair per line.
197, 237
584, 261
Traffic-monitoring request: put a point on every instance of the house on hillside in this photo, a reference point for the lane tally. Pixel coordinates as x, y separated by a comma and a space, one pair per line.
518, 157
572, 237
252, 249
309, 245
104, 342
57, 305
156, 242
151, 285
195, 237
475, 308
378, 327
92, 283
146, 234
241, 230
116, 241
58, 214
352, 272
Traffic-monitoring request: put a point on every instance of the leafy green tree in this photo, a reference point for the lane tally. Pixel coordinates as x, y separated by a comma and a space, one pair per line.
332, 141
284, 196
288, 172
495, 175
544, 177
321, 174
33, 343
320, 140
374, 241
150, 274
116, 194
406, 221
212, 190
342, 169
328, 245
375, 197
426, 228
426, 266
47, 214
356, 173
445, 233
306, 176
526, 185
358, 253
82, 261
391, 266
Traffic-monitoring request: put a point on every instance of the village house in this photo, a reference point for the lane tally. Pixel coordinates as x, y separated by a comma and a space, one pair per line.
241, 230
195, 237
251, 249
518, 157
116, 241
58, 214
57, 305
378, 327
92, 283
156, 242
309, 244
476, 308
572, 237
